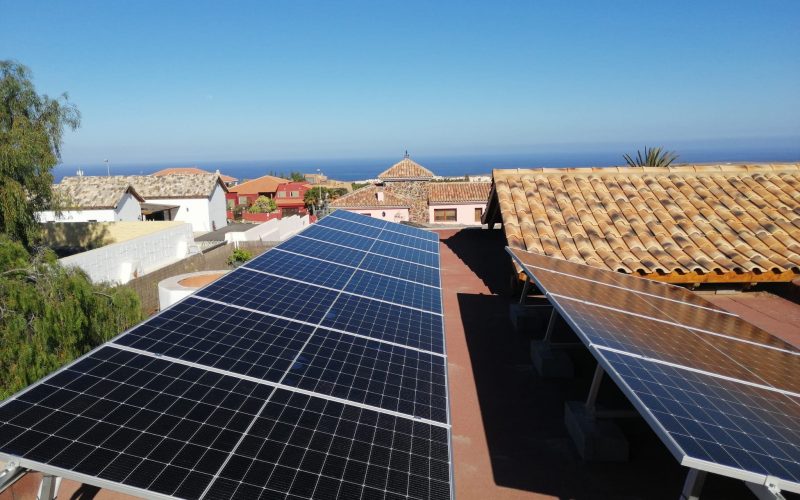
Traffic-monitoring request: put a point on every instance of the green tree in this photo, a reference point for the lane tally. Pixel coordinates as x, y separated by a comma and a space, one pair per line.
297, 177
31, 132
311, 198
50, 315
263, 205
652, 157
358, 185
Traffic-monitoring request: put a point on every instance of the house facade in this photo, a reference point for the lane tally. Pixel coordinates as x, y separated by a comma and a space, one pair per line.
289, 197
246, 193
105, 199
457, 202
407, 191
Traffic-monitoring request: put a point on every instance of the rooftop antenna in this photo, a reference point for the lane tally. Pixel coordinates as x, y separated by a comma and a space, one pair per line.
406, 155
108, 170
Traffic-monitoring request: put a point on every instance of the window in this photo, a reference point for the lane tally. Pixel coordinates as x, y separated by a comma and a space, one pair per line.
243, 200
444, 215
294, 194
478, 213
281, 194
230, 204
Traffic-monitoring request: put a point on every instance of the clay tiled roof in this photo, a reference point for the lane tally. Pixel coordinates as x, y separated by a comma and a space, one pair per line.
192, 170
265, 184
168, 186
406, 169
704, 223
367, 197
458, 192
94, 193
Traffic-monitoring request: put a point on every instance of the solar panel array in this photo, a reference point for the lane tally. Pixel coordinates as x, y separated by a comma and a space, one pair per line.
721, 393
316, 370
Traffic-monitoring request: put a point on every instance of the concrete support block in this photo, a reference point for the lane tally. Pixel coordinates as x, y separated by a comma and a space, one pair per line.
529, 318
597, 440
550, 362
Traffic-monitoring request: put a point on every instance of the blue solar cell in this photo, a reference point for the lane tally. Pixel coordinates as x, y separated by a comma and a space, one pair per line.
401, 269
388, 322
396, 291
350, 227
278, 296
361, 219
302, 268
373, 373
410, 241
319, 233
405, 253
222, 337
320, 250
716, 420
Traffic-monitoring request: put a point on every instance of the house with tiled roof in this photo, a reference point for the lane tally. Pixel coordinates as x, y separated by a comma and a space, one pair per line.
409, 192
195, 198
99, 199
375, 201
681, 224
457, 202
227, 179
245, 194
290, 198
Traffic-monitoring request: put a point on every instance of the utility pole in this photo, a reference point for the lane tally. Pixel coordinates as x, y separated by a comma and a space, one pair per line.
108, 170
319, 198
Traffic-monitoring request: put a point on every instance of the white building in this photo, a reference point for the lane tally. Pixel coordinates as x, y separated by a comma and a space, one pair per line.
200, 198
101, 199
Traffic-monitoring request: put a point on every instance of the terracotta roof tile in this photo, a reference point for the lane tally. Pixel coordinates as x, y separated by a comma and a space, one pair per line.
264, 184
684, 223
406, 169
458, 192
367, 197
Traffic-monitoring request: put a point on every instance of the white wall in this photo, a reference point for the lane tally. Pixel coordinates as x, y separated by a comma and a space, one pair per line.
121, 262
392, 214
128, 208
204, 214
105, 215
465, 213
272, 230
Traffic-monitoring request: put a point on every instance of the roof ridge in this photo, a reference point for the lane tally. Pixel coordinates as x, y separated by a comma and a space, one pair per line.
406, 169
684, 168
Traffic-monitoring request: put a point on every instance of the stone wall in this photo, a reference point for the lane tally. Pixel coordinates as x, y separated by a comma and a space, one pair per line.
417, 192
146, 287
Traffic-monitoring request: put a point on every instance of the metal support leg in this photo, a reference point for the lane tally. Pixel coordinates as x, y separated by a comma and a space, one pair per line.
48, 489
595, 388
693, 485
550, 326
525, 289
10, 474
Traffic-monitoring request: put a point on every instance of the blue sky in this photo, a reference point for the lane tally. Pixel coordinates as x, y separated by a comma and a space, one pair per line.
204, 81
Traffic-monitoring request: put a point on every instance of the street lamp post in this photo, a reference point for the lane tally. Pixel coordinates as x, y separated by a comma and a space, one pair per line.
319, 198
108, 170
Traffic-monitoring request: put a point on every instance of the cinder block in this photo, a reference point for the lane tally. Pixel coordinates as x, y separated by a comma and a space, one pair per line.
549, 362
529, 319
597, 440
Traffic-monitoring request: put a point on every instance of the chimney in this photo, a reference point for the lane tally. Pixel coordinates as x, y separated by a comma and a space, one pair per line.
379, 194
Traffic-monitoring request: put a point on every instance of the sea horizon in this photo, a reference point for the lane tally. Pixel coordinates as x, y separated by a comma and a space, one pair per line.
355, 169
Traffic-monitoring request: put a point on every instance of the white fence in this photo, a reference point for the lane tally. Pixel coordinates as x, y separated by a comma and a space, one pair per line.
273, 230
123, 261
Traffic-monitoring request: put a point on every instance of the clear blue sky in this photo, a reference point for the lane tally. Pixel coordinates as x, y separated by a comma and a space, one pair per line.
176, 81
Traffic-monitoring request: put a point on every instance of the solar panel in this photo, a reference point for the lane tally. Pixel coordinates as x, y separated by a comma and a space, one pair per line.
723, 400
316, 370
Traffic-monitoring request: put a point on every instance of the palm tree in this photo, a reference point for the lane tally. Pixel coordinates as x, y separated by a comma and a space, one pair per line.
653, 157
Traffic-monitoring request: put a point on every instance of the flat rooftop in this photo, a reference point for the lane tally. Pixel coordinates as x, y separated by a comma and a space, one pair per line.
509, 437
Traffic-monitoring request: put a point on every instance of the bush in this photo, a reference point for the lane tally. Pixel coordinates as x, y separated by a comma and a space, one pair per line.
50, 315
263, 205
238, 257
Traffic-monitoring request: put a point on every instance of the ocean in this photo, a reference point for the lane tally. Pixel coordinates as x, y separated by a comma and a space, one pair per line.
368, 168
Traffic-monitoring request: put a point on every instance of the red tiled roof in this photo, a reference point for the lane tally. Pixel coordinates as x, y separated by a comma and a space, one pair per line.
265, 184
406, 169
458, 192
686, 223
